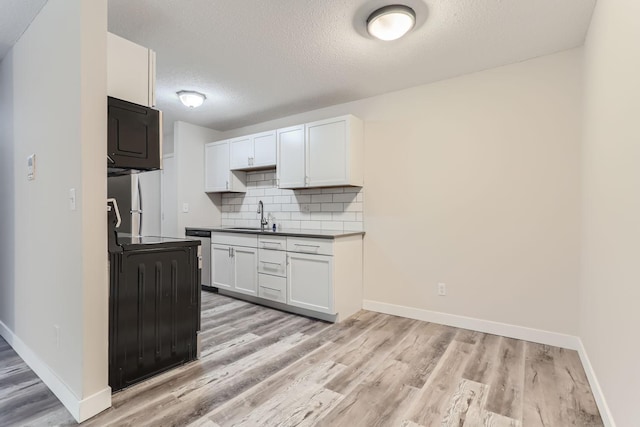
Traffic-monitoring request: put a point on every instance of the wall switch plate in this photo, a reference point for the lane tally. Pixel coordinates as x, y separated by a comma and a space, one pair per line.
442, 289
31, 167
72, 199
185, 207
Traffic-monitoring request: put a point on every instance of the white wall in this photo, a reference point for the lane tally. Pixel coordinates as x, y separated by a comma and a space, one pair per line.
7, 195
474, 181
610, 285
188, 145
57, 255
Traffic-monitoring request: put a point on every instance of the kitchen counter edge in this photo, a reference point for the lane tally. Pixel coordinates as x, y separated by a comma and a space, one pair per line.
319, 234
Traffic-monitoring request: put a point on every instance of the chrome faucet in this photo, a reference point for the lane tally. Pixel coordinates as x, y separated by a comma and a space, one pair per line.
263, 221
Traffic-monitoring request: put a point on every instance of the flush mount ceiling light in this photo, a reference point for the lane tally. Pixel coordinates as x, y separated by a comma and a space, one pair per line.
191, 99
391, 22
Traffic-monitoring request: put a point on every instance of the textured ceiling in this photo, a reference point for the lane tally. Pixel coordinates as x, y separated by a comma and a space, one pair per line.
258, 60
15, 17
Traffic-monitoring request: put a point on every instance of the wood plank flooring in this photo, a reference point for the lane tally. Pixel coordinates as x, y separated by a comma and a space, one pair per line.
263, 367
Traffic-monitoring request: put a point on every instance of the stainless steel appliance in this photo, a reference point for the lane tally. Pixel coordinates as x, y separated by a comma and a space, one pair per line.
205, 238
136, 194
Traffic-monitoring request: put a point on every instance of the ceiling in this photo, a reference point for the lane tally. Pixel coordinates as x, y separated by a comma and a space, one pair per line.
15, 17
258, 60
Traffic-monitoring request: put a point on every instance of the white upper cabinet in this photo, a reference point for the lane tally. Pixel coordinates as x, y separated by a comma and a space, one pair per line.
131, 71
321, 154
291, 157
217, 175
253, 151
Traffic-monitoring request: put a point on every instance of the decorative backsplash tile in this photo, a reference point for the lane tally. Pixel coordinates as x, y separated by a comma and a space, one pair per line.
337, 208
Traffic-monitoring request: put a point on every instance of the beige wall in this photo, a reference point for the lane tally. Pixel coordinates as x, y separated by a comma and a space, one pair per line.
610, 285
57, 255
204, 209
474, 181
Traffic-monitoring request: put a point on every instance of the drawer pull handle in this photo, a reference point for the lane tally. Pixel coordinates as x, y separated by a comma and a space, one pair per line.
271, 289
272, 263
271, 243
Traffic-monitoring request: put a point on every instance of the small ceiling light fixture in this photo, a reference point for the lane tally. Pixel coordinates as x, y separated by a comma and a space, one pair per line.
391, 22
191, 98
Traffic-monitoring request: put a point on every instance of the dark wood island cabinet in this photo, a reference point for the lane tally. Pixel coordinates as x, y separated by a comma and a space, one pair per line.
154, 312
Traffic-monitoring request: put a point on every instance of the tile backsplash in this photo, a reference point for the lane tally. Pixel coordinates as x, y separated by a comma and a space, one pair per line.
336, 208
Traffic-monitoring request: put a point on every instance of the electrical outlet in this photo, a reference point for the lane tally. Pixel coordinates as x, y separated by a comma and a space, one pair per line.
442, 289
305, 207
185, 207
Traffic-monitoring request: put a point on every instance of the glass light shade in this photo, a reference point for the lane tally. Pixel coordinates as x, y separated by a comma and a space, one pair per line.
391, 22
191, 99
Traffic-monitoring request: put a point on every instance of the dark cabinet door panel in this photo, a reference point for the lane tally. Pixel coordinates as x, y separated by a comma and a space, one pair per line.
133, 136
154, 315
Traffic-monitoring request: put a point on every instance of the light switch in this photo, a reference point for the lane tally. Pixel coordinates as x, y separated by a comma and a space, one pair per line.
31, 167
72, 199
185, 207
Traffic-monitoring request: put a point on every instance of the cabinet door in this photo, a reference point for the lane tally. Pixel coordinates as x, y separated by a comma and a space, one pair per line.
216, 170
133, 136
327, 153
130, 71
310, 282
291, 157
264, 149
245, 269
221, 266
241, 150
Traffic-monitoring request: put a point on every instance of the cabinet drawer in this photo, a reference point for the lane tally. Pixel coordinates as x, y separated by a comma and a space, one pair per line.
235, 239
272, 242
310, 246
272, 288
272, 262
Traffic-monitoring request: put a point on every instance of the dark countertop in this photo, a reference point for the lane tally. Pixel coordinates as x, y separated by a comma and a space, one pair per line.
129, 242
293, 232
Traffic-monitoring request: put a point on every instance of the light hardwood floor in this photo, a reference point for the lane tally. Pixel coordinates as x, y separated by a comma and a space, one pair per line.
262, 367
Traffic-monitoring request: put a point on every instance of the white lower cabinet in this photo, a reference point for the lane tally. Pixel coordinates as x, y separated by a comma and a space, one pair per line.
234, 267
221, 266
245, 269
310, 282
273, 288
306, 274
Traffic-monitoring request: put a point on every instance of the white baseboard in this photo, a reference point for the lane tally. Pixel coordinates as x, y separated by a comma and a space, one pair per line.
605, 412
504, 329
80, 409
487, 326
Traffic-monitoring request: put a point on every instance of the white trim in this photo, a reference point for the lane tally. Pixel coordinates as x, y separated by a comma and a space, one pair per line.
605, 412
81, 410
512, 331
487, 326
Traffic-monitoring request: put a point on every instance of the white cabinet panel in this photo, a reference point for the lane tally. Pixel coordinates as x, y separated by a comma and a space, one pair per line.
327, 153
272, 262
264, 149
310, 282
326, 144
253, 151
217, 175
272, 288
221, 267
235, 268
241, 152
291, 157
130, 71
245, 265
